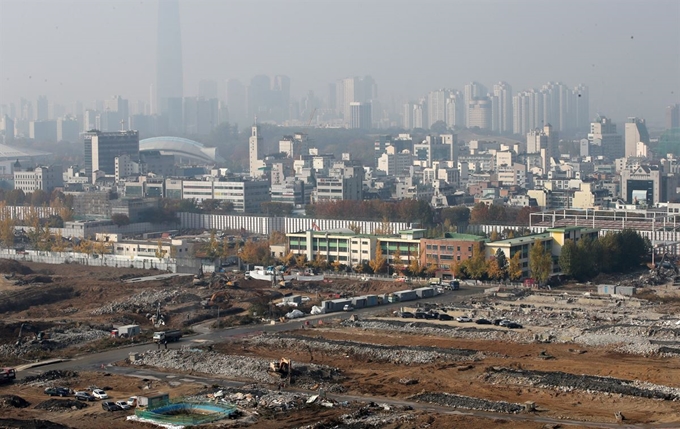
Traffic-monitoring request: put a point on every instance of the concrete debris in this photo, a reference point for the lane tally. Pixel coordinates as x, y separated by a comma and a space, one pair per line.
425, 328
404, 355
144, 301
58, 339
468, 403
240, 367
589, 383
408, 381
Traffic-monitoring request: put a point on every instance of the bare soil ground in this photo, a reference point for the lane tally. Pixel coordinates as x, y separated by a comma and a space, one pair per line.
365, 376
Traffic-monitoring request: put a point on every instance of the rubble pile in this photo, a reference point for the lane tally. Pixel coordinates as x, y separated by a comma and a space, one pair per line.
32, 424
590, 383
468, 402
52, 375
13, 401
421, 328
240, 367
59, 339
61, 405
378, 352
142, 302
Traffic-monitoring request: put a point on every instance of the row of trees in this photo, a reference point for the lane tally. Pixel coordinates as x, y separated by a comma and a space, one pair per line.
497, 213
618, 252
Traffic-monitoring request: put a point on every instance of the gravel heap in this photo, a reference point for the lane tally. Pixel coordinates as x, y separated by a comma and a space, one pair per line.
52, 375
61, 405
500, 334
468, 402
13, 401
144, 301
589, 383
59, 339
405, 355
239, 367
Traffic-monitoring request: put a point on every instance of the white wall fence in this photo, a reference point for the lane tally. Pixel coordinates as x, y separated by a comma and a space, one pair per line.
183, 265
23, 212
266, 225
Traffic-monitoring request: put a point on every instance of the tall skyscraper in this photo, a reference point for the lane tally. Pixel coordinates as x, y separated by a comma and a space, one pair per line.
101, 150
635, 131
207, 89
169, 77
673, 116
259, 97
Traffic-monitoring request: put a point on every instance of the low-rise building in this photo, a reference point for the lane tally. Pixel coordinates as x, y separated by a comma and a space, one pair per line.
42, 177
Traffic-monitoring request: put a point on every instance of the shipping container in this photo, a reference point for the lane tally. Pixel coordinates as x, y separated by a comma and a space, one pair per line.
406, 295
606, 289
625, 290
360, 302
425, 292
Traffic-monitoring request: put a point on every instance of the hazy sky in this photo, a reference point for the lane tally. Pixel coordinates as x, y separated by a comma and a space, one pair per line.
627, 52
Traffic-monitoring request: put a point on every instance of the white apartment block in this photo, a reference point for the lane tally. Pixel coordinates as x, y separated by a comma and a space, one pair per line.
43, 178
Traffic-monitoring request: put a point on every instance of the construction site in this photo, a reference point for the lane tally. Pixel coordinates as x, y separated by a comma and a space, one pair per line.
604, 354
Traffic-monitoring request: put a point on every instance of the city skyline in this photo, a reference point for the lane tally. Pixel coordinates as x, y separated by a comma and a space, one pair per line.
579, 47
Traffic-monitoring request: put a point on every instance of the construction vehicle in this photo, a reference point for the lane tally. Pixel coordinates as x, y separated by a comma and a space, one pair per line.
167, 336
219, 298
7, 375
283, 368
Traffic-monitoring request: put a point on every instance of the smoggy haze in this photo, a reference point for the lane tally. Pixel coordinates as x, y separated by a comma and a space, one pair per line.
627, 52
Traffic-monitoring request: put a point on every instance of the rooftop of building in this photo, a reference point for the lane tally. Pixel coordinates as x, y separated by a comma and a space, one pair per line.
526, 239
460, 237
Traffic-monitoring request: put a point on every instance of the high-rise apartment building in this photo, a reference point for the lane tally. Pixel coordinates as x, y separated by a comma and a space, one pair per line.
436, 106
102, 148
169, 76
354, 90
501, 106
455, 110
236, 102
479, 113
471, 91
42, 109
635, 131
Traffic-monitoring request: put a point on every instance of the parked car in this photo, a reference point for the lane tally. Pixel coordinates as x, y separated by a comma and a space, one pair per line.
110, 406
444, 316
123, 405
100, 394
57, 391
419, 315
513, 325
431, 315
483, 322
347, 307
504, 322
406, 315
497, 322
463, 319
84, 396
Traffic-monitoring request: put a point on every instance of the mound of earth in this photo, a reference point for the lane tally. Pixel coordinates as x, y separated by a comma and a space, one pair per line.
13, 401
60, 405
51, 375
9, 266
30, 424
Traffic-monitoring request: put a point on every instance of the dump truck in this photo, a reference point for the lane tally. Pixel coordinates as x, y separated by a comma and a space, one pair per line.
169, 336
454, 285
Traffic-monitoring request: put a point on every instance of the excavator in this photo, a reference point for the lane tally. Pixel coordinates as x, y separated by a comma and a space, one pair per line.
284, 368
220, 298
